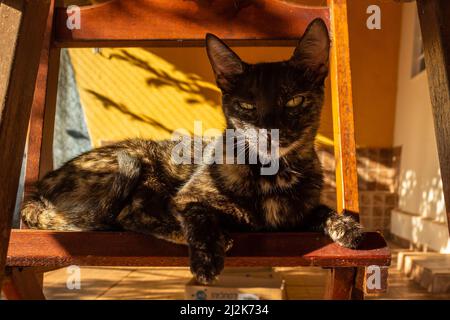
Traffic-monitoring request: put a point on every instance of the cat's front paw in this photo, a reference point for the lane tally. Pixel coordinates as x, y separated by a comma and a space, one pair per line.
206, 265
344, 230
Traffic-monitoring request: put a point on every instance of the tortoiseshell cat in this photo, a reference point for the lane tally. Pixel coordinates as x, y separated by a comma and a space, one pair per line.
135, 184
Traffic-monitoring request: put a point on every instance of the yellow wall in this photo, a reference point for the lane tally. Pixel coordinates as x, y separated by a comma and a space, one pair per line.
374, 61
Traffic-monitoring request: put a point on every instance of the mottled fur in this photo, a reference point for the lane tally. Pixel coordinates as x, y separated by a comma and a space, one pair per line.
135, 185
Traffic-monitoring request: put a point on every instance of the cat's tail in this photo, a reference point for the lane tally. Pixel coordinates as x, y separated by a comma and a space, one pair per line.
39, 213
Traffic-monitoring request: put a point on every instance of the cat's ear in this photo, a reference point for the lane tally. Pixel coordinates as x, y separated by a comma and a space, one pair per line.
225, 63
312, 50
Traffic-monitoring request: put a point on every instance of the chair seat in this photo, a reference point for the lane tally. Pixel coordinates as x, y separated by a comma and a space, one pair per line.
39, 248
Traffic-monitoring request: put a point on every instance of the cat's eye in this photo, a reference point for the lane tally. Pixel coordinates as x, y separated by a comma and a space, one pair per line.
295, 101
246, 105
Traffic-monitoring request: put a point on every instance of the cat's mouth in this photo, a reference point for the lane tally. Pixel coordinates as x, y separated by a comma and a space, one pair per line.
267, 143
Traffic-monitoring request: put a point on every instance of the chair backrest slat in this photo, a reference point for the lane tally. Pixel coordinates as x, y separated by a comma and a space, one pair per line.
184, 23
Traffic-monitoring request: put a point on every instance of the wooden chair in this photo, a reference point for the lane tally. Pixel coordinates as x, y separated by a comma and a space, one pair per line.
177, 23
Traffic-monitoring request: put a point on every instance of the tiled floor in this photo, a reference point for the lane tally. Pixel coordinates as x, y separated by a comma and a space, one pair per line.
400, 287
165, 283
168, 283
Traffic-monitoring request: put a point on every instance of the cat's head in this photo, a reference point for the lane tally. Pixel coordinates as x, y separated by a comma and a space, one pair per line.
286, 95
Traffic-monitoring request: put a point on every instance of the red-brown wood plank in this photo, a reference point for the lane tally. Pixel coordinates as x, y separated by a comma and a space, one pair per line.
49, 248
340, 284
179, 22
22, 26
23, 284
40, 138
37, 110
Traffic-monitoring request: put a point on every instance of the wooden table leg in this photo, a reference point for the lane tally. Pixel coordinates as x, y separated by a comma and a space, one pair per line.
359, 283
23, 284
434, 16
22, 26
340, 284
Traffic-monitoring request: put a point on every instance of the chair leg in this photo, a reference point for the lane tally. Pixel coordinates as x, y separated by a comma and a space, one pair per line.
23, 284
40, 135
358, 289
22, 30
42, 118
40, 131
435, 25
340, 284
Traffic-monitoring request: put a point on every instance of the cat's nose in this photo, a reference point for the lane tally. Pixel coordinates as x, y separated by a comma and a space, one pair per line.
268, 115
269, 121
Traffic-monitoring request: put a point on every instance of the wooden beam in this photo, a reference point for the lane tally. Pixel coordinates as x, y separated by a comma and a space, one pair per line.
40, 136
44, 106
342, 104
185, 23
23, 284
340, 283
126, 248
434, 16
22, 26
